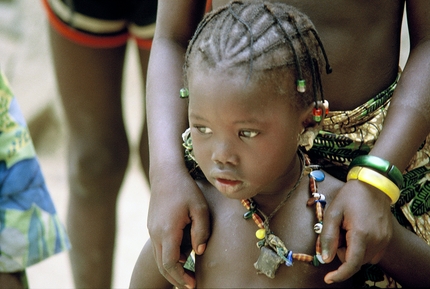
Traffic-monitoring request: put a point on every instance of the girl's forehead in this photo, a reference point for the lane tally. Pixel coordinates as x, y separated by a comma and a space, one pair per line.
231, 81
218, 87
229, 95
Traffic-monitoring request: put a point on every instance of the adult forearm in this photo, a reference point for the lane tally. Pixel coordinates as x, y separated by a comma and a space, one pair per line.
166, 112
408, 121
406, 259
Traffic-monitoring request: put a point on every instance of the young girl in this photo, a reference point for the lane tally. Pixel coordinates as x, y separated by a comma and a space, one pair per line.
255, 98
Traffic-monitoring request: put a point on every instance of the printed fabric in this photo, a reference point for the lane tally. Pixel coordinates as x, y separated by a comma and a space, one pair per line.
30, 229
348, 134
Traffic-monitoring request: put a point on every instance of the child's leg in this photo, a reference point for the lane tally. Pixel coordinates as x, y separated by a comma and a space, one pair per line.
16, 280
90, 84
145, 273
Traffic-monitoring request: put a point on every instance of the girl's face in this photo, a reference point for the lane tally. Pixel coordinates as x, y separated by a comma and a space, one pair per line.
245, 138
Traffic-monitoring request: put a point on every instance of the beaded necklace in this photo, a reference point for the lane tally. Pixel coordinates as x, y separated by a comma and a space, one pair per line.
272, 249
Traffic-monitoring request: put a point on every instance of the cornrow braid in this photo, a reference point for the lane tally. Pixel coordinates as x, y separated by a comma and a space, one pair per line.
260, 37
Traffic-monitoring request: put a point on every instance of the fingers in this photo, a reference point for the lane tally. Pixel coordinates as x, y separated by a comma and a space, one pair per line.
362, 212
345, 271
169, 256
177, 275
172, 260
352, 258
330, 234
200, 229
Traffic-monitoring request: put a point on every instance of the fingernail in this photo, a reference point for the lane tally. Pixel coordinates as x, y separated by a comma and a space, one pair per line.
324, 255
201, 248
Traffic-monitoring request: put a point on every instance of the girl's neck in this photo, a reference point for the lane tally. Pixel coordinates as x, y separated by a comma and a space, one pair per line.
268, 202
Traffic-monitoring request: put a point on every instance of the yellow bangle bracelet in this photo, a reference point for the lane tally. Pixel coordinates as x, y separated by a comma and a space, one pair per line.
376, 180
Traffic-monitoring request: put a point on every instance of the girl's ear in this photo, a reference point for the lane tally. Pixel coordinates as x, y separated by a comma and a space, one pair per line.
311, 125
308, 135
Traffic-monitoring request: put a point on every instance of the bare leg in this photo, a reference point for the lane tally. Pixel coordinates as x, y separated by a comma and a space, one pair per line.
90, 83
144, 146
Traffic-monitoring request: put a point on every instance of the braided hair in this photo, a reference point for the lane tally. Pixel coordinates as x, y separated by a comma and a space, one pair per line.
264, 40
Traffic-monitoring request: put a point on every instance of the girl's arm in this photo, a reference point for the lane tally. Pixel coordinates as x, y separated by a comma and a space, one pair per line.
145, 273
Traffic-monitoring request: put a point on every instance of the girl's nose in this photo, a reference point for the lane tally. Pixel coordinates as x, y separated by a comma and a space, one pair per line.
223, 153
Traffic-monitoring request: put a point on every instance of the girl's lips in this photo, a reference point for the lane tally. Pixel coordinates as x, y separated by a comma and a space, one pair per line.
228, 182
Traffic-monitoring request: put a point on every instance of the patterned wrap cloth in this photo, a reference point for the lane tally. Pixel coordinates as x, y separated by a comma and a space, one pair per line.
348, 134
30, 229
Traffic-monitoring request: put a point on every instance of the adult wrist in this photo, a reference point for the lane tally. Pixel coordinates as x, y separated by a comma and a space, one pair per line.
381, 166
162, 168
375, 179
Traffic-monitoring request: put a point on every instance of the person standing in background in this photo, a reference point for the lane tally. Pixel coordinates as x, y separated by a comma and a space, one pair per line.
89, 41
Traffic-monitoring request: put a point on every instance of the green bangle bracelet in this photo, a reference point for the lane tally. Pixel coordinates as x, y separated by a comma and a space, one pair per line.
381, 166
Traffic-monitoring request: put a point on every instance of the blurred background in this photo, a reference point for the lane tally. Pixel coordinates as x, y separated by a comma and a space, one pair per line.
26, 60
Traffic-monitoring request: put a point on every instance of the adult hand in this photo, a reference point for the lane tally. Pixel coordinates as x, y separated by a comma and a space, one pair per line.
176, 202
364, 213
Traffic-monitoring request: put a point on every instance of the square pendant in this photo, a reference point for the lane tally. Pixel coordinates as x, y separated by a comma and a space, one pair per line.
268, 262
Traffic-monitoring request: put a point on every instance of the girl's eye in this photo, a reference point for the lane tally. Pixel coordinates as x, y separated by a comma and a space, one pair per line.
204, 129
248, 133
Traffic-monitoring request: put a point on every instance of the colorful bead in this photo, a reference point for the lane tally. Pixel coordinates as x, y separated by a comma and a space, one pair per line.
315, 261
260, 234
320, 259
301, 85
312, 184
326, 107
184, 93
311, 201
302, 257
318, 228
319, 210
257, 219
322, 201
318, 250
248, 214
318, 245
317, 114
289, 259
318, 175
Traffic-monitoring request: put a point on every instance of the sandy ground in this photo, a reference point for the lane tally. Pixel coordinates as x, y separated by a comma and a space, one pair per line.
25, 58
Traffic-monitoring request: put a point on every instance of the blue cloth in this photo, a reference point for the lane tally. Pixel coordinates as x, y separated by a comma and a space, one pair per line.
30, 229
